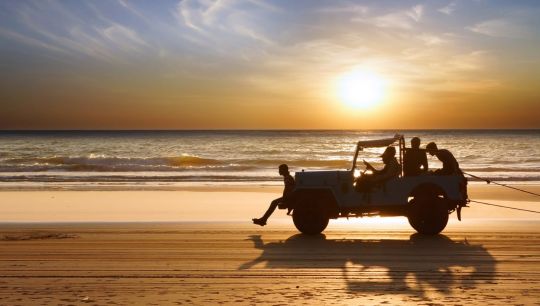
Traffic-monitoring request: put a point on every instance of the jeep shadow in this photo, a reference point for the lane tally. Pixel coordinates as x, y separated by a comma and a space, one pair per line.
410, 265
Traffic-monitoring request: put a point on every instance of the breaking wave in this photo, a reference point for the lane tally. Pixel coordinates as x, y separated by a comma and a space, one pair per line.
101, 163
176, 163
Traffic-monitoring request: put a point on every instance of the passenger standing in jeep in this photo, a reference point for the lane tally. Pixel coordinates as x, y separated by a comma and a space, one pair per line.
415, 160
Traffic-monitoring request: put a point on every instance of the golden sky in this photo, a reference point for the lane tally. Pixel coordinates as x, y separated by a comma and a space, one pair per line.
261, 64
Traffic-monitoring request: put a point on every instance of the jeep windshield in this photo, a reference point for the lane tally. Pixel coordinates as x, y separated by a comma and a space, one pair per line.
376, 143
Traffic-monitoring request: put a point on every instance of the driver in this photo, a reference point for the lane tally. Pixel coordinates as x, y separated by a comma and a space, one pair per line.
391, 170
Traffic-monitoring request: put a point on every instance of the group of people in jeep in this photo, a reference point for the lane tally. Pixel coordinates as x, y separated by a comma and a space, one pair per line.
414, 163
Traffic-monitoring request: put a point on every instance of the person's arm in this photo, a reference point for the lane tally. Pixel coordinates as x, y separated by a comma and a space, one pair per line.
448, 162
370, 167
289, 186
424, 161
391, 172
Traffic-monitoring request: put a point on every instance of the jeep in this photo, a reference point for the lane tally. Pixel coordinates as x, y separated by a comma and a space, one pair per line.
426, 200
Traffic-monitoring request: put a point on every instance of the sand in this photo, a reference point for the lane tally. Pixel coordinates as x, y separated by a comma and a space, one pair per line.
69, 248
202, 204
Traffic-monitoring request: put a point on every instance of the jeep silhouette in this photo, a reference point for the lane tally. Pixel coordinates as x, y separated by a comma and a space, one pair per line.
426, 200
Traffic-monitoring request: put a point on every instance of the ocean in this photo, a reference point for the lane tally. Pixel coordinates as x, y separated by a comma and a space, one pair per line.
132, 159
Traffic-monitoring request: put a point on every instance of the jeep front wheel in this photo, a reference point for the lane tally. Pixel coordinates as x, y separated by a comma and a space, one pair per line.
310, 218
428, 214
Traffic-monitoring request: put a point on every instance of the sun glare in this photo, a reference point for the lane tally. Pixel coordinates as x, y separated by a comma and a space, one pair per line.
361, 89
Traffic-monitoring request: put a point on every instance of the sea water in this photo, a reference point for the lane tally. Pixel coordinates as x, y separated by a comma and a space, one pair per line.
63, 159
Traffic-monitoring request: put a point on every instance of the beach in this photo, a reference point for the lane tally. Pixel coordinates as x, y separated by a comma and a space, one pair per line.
197, 246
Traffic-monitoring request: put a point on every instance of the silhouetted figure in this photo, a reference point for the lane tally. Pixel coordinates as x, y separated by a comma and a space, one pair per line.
288, 180
449, 162
415, 159
391, 170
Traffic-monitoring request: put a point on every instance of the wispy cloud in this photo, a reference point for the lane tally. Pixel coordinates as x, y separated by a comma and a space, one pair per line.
449, 9
224, 19
474, 60
123, 37
265, 5
416, 12
249, 32
499, 28
404, 19
133, 10
59, 30
185, 14
349, 9
211, 13
431, 39
30, 41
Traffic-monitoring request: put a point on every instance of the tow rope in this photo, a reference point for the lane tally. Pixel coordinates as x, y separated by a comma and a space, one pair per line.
507, 186
515, 208
504, 185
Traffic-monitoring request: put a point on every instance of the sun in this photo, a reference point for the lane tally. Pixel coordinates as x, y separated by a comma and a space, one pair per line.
361, 89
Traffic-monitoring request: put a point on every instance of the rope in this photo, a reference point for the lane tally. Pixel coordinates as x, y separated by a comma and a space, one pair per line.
504, 185
532, 211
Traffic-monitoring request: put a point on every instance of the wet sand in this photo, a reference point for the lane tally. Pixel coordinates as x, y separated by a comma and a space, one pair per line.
492, 257
203, 204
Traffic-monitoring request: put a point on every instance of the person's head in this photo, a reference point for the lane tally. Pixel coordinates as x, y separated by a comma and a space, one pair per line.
431, 148
283, 169
415, 143
389, 153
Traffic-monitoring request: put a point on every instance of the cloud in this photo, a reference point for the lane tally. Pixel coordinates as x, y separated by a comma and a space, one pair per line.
223, 21
405, 19
449, 9
499, 28
29, 41
66, 32
431, 40
123, 37
132, 9
355, 9
185, 14
211, 14
264, 5
474, 60
416, 12
249, 32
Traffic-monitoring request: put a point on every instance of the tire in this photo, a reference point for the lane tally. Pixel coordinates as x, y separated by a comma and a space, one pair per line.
310, 218
428, 215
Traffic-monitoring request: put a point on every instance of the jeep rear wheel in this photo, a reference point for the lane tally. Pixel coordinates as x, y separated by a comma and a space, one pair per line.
310, 218
428, 215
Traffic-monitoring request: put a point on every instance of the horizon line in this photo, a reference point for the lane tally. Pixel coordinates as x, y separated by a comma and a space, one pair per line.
262, 130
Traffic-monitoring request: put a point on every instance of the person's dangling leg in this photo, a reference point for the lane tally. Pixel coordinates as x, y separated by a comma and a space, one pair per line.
262, 221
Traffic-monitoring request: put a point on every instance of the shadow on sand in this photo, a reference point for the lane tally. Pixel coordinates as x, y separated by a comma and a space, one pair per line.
415, 265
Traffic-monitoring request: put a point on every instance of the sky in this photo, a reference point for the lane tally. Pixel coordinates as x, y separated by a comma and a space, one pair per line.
262, 64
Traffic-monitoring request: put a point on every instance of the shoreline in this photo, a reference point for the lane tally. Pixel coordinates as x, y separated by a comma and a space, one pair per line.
476, 190
208, 204
82, 185
209, 186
